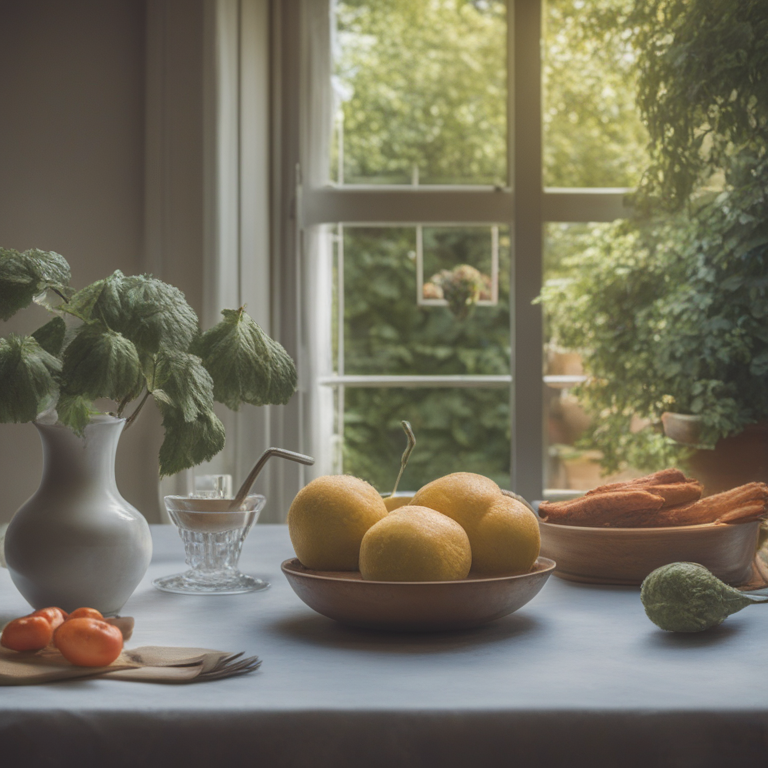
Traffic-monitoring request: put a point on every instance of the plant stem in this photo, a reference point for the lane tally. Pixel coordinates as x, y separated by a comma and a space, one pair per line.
133, 416
121, 407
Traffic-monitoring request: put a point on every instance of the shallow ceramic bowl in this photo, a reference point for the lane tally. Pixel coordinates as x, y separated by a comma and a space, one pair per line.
402, 606
626, 556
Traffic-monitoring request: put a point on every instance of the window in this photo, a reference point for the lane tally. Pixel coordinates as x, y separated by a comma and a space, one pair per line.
430, 132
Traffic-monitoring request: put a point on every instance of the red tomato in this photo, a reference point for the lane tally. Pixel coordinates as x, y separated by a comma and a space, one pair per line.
85, 613
88, 642
29, 633
55, 616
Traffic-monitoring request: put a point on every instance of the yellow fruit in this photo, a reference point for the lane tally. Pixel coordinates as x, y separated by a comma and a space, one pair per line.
460, 495
503, 532
328, 519
507, 538
415, 544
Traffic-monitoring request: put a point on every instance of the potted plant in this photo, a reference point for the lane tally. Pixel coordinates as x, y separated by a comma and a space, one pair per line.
669, 310
85, 376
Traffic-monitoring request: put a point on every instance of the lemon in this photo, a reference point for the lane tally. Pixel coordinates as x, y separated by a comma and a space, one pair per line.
328, 519
503, 532
461, 495
506, 537
415, 544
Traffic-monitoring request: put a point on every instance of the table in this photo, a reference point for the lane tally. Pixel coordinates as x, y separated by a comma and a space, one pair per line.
577, 677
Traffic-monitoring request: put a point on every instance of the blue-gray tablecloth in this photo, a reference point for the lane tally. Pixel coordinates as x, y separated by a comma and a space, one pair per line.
577, 677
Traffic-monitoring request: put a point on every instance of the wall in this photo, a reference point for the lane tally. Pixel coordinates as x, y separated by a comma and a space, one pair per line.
72, 175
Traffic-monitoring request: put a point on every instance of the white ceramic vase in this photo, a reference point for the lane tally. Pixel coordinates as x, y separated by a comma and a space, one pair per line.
77, 542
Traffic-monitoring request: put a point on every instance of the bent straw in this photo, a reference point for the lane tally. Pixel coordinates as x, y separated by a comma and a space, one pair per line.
254, 473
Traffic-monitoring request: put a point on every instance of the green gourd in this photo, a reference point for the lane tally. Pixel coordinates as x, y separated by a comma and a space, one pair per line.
686, 597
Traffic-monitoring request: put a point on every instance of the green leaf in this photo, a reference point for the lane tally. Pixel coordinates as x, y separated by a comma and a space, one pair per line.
25, 275
101, 363
51, 335
155, 314
184, 383
98, 301
27, 383
75, 412
147, 311
161, 398
245, 364
189, 443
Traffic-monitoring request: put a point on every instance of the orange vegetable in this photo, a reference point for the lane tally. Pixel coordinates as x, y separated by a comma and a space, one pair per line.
85, 613
29, 633
88, 642
55, 616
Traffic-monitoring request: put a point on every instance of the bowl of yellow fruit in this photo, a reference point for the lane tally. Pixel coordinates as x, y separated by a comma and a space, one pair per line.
458, 554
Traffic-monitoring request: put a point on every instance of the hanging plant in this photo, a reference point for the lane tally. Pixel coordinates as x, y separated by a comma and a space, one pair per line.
461, 287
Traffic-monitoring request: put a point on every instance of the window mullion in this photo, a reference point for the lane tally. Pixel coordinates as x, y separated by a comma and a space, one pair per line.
526, 322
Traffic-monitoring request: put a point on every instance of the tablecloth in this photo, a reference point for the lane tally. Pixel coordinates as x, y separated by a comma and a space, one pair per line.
579, 676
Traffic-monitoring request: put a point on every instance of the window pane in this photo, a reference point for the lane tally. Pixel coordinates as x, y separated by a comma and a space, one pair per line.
387, 327
422, 92
457, 430
593, 136
572, 463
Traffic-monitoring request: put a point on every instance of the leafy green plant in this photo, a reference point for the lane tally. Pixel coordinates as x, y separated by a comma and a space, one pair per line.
670, 309
125, 339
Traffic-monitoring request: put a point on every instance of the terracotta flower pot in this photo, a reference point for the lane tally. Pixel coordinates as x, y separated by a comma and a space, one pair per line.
734, 461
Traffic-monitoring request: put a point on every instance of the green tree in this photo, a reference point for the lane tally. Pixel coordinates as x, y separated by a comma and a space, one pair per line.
670, 309
426, 88
593, 134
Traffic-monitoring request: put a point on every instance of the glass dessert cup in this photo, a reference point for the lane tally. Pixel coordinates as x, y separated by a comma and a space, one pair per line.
213, 539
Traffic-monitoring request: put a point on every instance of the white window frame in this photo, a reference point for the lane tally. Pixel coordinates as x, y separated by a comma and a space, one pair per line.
525, 206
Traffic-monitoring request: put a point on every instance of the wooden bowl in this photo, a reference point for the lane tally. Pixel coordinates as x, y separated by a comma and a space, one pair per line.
625, 556
402, 606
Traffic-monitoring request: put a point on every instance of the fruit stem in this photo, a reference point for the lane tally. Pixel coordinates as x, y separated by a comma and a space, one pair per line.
406, 454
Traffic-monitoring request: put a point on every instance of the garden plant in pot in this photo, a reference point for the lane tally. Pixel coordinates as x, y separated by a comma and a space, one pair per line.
81, 379
670, 309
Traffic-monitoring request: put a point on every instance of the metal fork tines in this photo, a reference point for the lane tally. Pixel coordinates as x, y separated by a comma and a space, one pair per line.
229, 667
